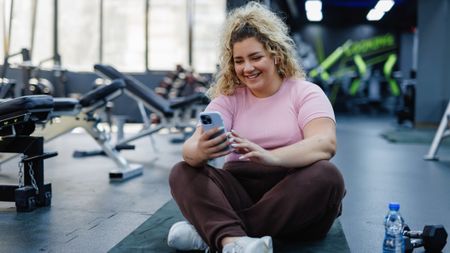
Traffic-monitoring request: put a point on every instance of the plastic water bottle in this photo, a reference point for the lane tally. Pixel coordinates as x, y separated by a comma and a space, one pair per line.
393, 226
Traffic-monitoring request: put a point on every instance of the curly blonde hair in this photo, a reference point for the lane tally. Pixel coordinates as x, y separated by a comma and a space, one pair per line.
253, 20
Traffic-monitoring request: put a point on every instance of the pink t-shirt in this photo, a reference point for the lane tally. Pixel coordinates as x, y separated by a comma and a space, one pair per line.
274, 121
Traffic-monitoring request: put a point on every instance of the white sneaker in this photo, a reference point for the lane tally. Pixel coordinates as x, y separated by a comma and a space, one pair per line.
249, 245
183, 236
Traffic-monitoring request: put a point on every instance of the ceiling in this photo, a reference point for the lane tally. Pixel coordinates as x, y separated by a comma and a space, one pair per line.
345, 13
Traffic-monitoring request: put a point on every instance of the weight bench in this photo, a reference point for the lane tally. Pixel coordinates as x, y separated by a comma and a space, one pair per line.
18, 119
173, 113
70, 113
442, 132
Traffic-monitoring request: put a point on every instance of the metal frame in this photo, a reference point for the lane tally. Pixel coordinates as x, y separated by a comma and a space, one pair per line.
88, 121
442, 132
31, 147
179, 120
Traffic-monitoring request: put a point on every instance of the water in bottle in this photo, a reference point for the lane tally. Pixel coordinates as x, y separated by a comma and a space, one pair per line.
393, 225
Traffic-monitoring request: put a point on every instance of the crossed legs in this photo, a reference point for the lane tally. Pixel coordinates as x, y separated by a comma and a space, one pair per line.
251, 199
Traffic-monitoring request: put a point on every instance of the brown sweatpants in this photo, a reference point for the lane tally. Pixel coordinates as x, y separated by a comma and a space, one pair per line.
250, 199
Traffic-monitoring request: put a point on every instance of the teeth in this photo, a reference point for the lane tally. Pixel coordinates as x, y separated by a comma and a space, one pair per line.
252, 76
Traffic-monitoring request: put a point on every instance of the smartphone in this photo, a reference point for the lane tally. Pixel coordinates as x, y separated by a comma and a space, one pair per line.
210, 120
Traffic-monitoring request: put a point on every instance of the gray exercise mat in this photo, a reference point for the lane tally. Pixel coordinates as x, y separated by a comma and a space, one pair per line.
151, 236
414, 136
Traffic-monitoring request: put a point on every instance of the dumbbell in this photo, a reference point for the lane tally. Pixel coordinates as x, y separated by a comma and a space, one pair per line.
411, 244
433, 238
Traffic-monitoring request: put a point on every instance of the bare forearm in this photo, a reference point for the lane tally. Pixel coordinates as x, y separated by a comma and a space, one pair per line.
306, 152
191, 154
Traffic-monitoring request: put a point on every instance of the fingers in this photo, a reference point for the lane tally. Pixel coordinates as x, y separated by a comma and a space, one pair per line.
243, 144
214, 143
253, 155
219, 154
213, 137
217, 139
240, 150
236, 138
219, 147
233, 133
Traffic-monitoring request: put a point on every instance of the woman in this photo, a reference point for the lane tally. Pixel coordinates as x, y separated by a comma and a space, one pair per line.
277, 181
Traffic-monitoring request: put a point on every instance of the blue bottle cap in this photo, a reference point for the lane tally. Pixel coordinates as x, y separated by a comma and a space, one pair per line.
394, 206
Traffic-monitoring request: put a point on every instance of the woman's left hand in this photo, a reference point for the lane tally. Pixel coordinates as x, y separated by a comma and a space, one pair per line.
251, 151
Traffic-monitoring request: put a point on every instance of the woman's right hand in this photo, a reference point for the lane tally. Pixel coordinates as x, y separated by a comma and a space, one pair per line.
210, 147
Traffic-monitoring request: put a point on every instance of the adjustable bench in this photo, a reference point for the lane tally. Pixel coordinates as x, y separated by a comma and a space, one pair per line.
18, 119
69, 113
173, 113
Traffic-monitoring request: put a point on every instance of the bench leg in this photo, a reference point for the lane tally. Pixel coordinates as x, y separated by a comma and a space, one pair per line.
441, 133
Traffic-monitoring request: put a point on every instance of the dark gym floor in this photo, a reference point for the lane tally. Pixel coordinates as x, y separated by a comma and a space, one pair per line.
90, 214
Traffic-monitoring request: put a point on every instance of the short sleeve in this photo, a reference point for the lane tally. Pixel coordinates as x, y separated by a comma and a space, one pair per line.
224, 105
312, 104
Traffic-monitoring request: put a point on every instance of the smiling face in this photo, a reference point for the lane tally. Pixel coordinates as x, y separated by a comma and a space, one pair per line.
255, 67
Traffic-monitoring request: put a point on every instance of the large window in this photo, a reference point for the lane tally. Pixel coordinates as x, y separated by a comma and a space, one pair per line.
169, 28
168, 39
78, 38
124, 34
22, 34
20, 26
118, 38
43, 36
208, 19
3, 27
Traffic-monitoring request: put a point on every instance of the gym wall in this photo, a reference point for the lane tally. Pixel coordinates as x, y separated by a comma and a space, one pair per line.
433, 72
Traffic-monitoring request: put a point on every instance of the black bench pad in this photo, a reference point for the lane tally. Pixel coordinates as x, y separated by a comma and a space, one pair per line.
138, 89
101, 93
36, 102
65, 104
40, 105
188, 100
